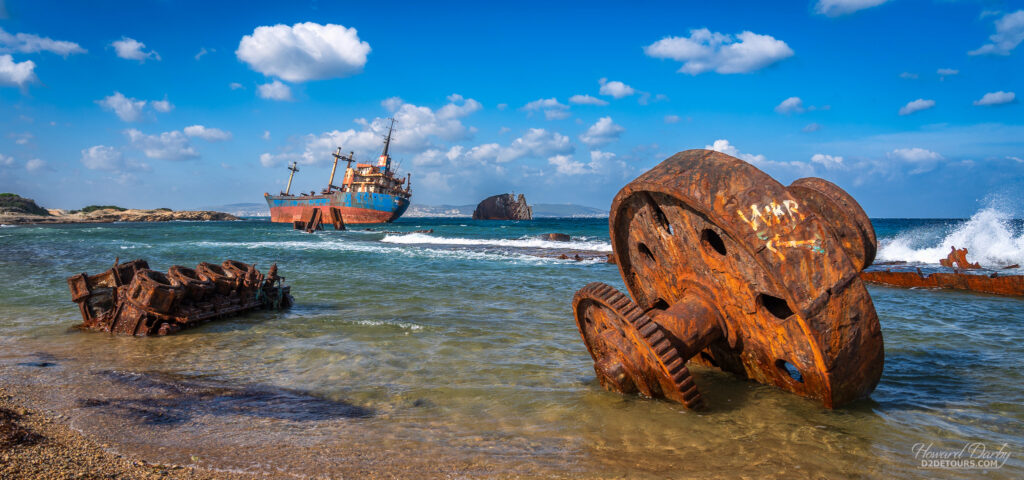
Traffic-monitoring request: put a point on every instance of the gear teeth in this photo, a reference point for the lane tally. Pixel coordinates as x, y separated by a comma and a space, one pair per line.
648, 335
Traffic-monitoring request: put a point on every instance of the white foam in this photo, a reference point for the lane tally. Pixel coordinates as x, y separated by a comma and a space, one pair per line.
350, 246
524, 242
989, 237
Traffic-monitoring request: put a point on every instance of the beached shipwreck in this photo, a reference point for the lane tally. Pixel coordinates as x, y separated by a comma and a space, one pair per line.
131, 299
727, 268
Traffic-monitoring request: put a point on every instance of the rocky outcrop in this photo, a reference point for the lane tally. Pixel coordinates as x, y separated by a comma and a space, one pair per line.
13, 204
503, 207
555, 237
111, 215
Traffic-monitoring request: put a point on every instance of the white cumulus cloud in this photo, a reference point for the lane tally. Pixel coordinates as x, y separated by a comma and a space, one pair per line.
723, 145
30, 43
835, 8
828, 161
602, 132
615, 89
586, 100
565, 165
922, 159
173, 145
996, 98
304, 51
162, 106
127, 109
102, 157
207, 133
16, 73
705, 51
536, 142
35, 164
916, 106
671, 118
1009, 34
130, 109
132, 49
274, 91
553, 109
790, 105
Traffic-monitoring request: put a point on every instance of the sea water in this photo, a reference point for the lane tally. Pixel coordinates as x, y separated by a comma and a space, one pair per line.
454, 353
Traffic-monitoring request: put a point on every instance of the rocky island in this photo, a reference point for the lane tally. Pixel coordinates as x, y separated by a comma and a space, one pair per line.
17, 210
503, 207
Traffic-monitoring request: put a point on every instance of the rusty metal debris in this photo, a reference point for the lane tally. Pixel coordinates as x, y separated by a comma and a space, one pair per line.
131, 299
729, 269
312, 219
993, 283
958, 259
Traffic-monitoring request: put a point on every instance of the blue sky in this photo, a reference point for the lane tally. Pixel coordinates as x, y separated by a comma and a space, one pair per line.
912, 106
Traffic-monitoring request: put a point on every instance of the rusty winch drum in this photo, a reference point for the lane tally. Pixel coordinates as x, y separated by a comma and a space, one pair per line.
727, 268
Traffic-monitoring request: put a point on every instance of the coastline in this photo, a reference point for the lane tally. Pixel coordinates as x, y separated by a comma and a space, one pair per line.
111, 215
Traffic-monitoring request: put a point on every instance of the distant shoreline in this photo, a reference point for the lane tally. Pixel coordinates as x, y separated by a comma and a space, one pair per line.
112, 215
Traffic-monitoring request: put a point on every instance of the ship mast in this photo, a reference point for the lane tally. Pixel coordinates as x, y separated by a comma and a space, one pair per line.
338, 156
385, 158
294, 168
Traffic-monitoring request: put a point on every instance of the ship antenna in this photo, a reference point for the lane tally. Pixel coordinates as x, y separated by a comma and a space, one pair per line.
294, 168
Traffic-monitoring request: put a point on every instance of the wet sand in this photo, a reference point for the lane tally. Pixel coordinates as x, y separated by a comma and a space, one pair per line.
35, 445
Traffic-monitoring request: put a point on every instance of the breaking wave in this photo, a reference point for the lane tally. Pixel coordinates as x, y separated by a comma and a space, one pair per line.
525, 242
343, 246
991, 236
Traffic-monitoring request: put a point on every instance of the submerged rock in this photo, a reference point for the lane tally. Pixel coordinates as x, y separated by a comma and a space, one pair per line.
503, 207
556, 237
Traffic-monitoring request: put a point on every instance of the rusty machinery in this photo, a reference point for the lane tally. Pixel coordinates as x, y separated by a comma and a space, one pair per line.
728, 268
131, 299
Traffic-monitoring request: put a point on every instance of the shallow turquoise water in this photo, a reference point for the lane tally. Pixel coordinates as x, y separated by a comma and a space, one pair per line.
458, 347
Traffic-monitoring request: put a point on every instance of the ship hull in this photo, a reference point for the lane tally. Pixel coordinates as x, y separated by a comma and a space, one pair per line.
359, 207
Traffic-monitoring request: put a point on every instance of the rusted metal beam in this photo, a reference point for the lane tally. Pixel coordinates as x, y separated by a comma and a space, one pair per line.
992, 283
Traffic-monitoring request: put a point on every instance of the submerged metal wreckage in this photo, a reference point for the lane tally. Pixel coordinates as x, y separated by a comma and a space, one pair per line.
728, 268
131, 299
993, 283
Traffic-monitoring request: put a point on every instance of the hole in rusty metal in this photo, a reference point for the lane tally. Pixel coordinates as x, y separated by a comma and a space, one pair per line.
711, 239
660, 304
775, 305
708, 358
789, 369
659, 215
642, 248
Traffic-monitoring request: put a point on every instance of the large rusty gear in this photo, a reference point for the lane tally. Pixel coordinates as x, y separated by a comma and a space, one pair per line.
631, 353
746, 275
